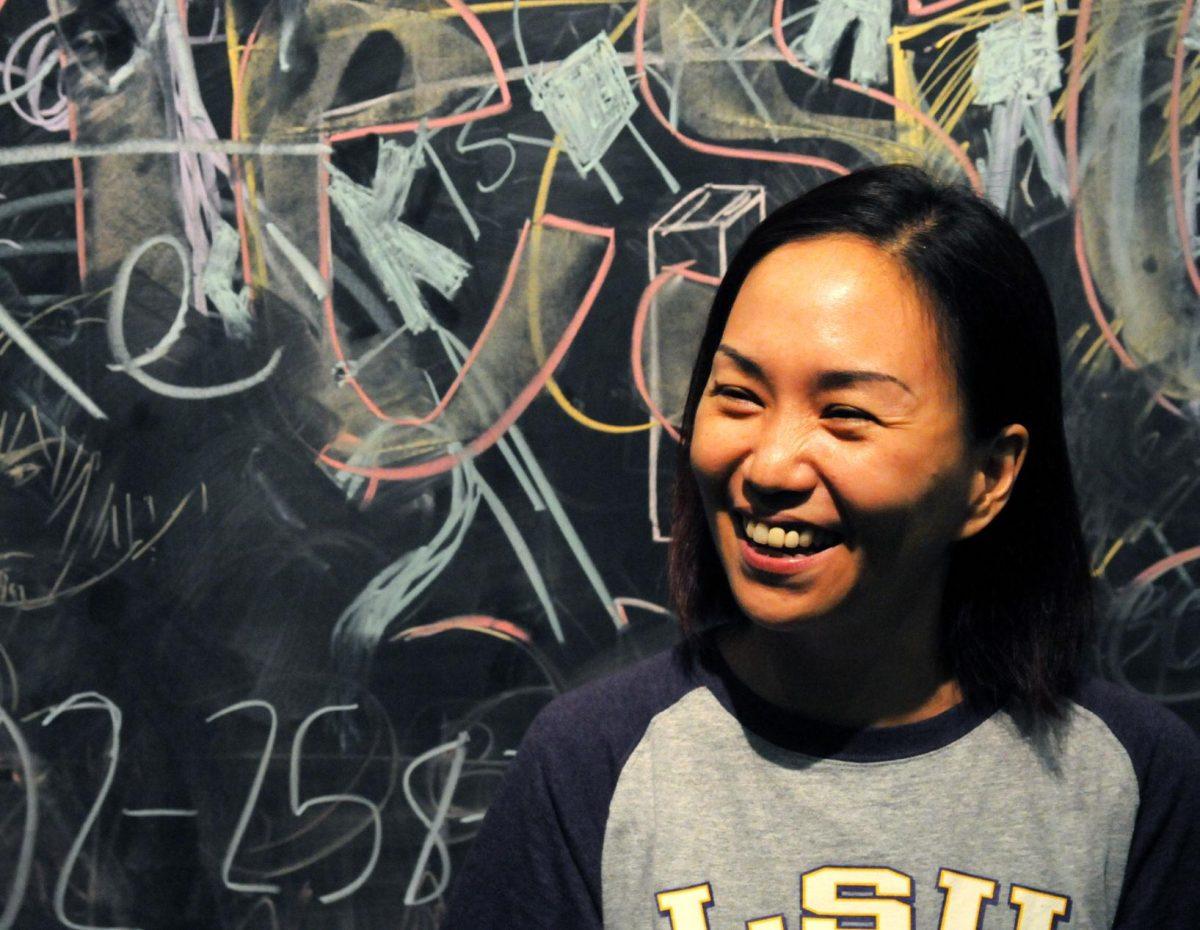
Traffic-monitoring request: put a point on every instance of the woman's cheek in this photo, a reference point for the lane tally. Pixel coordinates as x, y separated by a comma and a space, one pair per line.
699, 448
715, 447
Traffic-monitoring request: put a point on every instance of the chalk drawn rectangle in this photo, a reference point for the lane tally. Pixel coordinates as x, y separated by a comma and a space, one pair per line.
704, 225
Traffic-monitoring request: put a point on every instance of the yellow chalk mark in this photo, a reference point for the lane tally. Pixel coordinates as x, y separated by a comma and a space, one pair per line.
1099, 570
904, 83
395, 19
911, 90
254, 232
1090, 46
232, 47
958, 88
953, 72
1189, 112
971, 17
1100, 341
410, 448
957, 107
1076, 340
505, 6
543, 191
957, 91
936, 67
533, 301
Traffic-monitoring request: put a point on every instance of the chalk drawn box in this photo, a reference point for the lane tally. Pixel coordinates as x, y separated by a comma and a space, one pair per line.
705, 226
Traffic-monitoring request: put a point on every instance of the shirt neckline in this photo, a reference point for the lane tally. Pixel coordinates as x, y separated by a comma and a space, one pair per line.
797, 733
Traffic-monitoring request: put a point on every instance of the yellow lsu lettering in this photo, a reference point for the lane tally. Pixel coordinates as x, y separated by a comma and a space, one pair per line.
966, 897
1038, 910
686, 907
831, 892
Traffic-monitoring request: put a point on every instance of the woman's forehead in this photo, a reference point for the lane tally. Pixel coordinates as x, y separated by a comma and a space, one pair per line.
818, 277
836, 301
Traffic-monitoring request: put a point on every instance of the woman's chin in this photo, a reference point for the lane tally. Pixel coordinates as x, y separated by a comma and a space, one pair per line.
783, 613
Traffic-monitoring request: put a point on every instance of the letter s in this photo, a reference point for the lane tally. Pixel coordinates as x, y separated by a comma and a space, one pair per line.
879, 893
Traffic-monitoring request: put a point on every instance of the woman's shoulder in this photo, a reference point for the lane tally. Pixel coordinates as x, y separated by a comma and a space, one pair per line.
1162, 864
610, 712
1157, 741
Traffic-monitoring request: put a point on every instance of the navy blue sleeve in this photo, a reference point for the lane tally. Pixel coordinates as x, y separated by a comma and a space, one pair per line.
1162, 872
535, 864
536, 861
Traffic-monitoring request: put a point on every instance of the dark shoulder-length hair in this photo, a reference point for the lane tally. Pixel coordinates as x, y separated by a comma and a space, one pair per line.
1018, 610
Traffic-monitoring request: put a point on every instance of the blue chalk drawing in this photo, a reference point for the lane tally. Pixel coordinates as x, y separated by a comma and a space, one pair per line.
869, 60
587, 100
398, 254
217, 281
1018, 68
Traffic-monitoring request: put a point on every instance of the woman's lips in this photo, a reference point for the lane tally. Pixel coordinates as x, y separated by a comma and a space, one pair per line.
782, 564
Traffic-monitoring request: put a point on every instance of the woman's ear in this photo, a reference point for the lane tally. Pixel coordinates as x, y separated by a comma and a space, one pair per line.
996, 468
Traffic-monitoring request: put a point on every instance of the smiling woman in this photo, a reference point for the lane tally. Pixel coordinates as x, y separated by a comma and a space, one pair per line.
897, 346
878, 566
831, 407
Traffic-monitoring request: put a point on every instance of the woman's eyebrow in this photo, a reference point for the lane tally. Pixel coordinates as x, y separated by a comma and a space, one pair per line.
840, 378
746, 364
828, 380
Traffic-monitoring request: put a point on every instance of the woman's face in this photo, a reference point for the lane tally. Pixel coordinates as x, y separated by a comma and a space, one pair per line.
828, 406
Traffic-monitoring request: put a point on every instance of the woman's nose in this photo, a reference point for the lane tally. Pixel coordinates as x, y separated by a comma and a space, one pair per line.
780, 462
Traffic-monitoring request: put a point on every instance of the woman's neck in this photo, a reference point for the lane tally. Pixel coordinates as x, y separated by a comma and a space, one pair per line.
841, 680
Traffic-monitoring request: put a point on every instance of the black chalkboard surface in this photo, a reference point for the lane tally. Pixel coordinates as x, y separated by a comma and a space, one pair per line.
342, 344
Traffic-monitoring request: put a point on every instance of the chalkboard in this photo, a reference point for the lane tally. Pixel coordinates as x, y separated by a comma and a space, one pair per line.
342, 348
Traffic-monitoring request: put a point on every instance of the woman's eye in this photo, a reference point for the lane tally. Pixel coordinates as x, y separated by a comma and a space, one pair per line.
848, 413
736, 393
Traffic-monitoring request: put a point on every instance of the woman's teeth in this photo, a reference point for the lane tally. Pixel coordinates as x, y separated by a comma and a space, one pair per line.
778, 538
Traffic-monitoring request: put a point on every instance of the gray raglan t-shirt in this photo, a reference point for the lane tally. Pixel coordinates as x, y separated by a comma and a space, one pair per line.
670, 797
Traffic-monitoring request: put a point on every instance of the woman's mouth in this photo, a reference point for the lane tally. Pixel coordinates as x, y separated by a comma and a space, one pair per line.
783, 549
